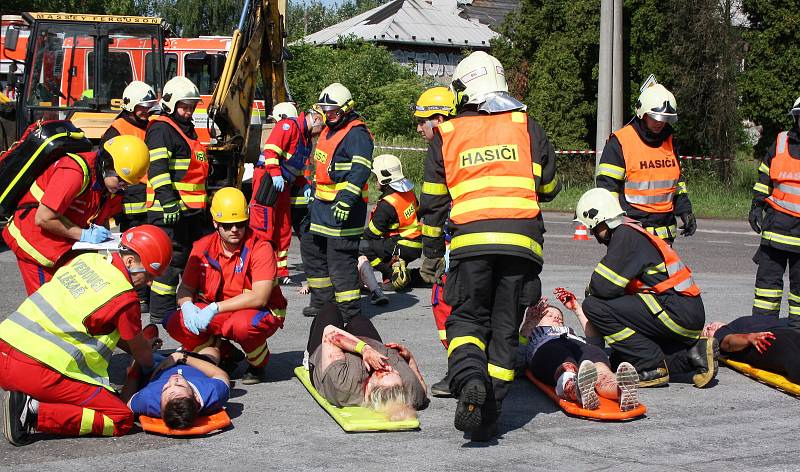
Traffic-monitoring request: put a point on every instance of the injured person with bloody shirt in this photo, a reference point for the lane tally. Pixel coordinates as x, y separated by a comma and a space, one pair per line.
762, 341
182, 387
350, 365
578, 368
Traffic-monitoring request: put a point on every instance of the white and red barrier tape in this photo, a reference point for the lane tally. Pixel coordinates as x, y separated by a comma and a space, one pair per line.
569, 152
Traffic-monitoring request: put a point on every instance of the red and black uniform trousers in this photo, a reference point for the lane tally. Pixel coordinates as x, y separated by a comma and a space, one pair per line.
67, 407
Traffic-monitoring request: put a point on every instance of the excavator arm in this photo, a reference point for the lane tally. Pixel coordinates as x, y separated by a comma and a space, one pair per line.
257, 51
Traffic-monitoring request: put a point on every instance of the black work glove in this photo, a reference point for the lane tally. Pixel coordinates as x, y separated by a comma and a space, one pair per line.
756, 217
689, 224
432, 269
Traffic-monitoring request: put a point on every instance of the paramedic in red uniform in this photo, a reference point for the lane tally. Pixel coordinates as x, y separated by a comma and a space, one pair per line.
228, 289
56, 347
69, 202
285, 155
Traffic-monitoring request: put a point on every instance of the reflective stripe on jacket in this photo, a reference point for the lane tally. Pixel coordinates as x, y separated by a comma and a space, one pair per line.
326, 188
49, 325
784, 172
192, 186
679, 276
651, 174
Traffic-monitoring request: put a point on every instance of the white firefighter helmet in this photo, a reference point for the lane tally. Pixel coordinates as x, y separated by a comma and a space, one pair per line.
389, 171
596, 206
795, 111
480, 79
178, 89
138, 93
335, 95
659, 103
284, 110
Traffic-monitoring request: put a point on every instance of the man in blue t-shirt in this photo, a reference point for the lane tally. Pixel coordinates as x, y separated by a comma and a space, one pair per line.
182, 387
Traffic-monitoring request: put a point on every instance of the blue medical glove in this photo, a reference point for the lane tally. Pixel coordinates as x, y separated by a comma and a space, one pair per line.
190, 316
307, 193
341, 211
447, 260
278, 182
95, 234
206, 315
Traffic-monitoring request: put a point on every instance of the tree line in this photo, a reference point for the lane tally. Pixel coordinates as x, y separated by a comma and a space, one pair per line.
721, 71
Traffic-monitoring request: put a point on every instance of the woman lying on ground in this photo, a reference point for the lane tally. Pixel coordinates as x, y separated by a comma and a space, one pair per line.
350, 366
182, 387
553, 354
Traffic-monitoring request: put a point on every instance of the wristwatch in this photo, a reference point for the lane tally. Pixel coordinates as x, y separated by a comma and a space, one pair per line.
182, 360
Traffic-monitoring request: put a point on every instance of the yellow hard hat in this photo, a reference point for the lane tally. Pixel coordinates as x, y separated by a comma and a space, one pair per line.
131, 157
435, 101
229, 206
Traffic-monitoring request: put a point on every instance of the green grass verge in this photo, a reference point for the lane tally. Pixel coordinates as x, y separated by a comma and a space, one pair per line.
711, 197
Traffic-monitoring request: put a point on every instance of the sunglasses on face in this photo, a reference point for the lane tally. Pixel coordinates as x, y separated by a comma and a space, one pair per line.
230, 226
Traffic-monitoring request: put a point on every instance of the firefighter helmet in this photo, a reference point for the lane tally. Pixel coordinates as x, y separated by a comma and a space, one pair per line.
435, 101
596, 206
178, 89
138, 93
659, 103
284, 110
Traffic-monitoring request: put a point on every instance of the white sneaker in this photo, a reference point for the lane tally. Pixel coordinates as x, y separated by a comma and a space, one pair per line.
587, 379
628, 384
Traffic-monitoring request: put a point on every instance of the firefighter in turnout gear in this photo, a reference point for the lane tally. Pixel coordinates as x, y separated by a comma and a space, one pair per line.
775, 214
640, 165
642, 298
342, 160
494, 165
138, 101
393, 237
283, 162
176, 187
57, 346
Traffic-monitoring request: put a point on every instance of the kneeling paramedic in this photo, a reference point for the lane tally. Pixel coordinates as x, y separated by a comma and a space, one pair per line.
343, 159
393, 237
176, 186
69, 202
283, 162
494, 165
642, 298
229, 288
56, 347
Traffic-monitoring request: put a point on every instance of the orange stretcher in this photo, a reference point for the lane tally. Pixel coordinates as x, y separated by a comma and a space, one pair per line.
608, 411
202, 425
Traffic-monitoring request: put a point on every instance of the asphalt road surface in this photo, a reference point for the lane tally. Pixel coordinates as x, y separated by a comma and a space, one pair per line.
736, 424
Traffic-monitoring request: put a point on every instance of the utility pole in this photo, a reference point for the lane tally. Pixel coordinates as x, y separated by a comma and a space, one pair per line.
604, 88
616, 96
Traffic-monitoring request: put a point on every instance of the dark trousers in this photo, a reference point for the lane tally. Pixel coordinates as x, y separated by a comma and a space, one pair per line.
772, 263
331, 266
781, 357
380, 253
638, 336
551, 355
330, 315
189, 229
488, 294
298, 214
127, 222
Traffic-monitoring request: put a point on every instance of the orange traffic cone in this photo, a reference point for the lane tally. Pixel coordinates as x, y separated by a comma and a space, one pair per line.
581, 233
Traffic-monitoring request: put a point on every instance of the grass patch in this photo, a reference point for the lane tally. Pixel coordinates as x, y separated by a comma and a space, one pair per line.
710, 196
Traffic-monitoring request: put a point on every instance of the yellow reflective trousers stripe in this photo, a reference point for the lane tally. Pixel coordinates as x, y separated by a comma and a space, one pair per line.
501, 373
463, 340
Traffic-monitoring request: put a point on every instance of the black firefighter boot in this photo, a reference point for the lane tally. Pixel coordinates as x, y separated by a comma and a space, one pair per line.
704, 357
657, 377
